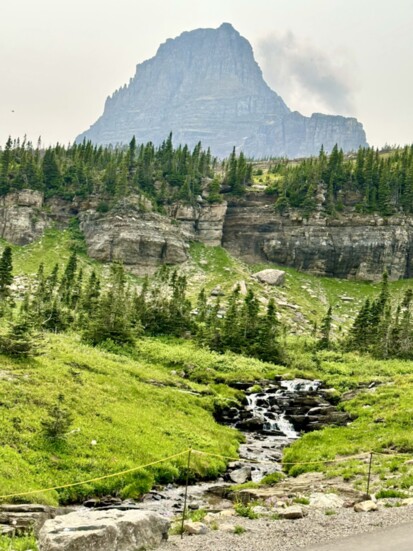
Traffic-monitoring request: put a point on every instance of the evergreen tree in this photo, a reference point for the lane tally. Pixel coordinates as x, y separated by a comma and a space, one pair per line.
6, 272
325, 330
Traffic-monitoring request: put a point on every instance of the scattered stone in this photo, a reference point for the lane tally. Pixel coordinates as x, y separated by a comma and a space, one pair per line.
240, 476
110, 530
407, 501
365, 507
293, 512
217, 292
326, 501
271, 277
195, 528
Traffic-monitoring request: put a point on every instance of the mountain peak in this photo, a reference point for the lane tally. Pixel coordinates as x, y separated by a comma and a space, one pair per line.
205, 85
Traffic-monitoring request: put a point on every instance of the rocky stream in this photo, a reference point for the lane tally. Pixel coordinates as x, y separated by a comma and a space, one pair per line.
270, 419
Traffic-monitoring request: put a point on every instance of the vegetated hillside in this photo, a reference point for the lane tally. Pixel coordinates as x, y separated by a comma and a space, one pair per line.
77, 412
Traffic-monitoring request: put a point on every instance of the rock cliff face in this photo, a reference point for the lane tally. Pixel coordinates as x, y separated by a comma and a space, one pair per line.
206, 86
351, 246
142, 241
22, 219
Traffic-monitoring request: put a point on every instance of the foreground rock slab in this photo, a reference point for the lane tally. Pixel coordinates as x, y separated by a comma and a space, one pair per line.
23, 519
111, 530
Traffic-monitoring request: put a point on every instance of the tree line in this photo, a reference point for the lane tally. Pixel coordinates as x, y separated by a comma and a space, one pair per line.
370, 181
164, 174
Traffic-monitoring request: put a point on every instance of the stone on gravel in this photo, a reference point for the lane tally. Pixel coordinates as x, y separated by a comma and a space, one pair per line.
272, 277
293, 512
365, 507
195, 528
109, 530
240, 476
326, 501
407, 501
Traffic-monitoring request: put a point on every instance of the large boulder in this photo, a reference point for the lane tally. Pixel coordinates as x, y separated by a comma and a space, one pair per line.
110, 530
271, 277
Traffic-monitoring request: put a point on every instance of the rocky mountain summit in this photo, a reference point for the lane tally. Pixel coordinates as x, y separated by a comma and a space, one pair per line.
205, 85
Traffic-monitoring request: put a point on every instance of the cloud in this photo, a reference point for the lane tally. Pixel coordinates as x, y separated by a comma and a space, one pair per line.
307, 78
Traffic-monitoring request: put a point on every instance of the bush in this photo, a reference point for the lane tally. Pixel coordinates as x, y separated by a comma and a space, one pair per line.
245, 511
57, 425
102, 207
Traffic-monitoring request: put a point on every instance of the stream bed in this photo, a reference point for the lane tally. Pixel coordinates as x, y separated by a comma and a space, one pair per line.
270, 420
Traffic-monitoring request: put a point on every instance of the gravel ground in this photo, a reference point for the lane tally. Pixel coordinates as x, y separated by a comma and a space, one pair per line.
288, 535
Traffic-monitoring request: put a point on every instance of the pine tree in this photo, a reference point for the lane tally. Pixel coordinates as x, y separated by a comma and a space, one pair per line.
325, 330
19, 341
112, 319
6, 272
269, 349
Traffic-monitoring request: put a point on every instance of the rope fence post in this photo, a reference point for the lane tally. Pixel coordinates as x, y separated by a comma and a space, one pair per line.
186, 492
369, 474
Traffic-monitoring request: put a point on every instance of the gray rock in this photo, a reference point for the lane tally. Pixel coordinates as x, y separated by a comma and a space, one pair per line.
217, 291
25, 518
21, 218
195, 528
142, 241
293, 512
326, 501
206, 86
352, 246
365, 507
239, 476
272, 277
110, 530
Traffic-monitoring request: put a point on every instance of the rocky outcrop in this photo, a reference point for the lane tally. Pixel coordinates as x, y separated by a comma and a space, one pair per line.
22, 219
206, 86
112, 530
202, 223
348, 246
141, 240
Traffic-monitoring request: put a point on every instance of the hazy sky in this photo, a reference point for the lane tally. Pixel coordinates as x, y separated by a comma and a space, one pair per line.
60, 60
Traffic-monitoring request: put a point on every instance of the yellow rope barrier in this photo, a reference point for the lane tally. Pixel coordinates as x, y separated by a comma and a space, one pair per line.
228, 458
120, 473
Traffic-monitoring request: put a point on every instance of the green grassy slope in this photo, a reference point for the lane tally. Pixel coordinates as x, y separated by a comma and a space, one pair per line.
137, 411
158, 400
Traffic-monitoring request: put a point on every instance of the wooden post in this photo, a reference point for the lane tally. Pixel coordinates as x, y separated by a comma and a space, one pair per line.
186, 492
369, 474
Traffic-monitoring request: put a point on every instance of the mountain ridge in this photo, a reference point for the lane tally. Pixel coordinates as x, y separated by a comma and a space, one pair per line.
205, 85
